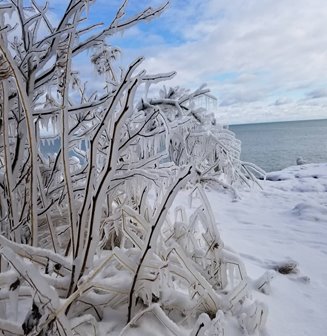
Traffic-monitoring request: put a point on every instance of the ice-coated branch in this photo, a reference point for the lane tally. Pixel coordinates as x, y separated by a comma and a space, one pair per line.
117, 26
45, 295
92, 160
38, 255
66, 55
156, 224
12, 205
105, 179
22, 91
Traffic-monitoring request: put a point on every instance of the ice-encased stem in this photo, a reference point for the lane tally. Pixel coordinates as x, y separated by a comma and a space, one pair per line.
25, 100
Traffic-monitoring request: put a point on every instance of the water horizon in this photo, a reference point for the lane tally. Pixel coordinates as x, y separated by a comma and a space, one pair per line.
275, 122
277, 145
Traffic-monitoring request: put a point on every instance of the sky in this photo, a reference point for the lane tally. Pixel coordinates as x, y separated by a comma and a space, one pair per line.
264, 60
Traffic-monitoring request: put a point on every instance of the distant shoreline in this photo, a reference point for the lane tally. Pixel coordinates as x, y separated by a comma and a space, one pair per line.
277, 122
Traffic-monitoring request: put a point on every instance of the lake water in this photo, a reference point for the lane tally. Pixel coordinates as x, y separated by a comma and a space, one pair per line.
274, 146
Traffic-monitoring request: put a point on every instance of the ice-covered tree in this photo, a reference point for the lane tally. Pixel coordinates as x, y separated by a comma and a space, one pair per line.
86, 229
198, 138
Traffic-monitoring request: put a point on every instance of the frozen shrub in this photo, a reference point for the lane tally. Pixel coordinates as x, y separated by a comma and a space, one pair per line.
85, 229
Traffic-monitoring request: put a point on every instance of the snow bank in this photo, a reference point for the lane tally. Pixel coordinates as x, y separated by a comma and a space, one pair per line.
286, 222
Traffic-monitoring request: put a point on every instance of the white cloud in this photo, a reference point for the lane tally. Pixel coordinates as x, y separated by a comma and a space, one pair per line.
257, 112
263, 59
277, 49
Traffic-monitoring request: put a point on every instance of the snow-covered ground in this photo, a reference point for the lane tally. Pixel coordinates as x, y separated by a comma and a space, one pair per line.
287, 220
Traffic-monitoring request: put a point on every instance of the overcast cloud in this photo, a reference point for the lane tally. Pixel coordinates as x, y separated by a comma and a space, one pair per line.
264, 59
